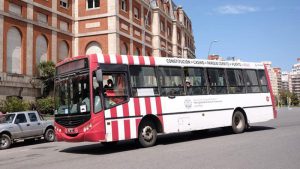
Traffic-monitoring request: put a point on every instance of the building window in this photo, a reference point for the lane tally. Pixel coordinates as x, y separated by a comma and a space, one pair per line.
64, 3
63, 26
14, 50
93, 47
124, 5
41, 49
179, 37
91, 4
162, 26
169, 31
42, 18
137, 52
63, 50
136, 13
124, 49
15, 9
148, 19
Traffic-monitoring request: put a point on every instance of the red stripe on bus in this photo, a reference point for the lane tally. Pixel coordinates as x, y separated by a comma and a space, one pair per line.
127, 129
148, 105
137, 108
115, 130
142, 60
106, 59
130, 60
159, 110
152, 60
119, 59
113, 112
271, 92
125, 110
137, 123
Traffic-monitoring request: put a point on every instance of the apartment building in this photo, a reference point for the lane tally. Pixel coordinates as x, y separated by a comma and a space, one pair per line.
39, 30
273, 78
295, 79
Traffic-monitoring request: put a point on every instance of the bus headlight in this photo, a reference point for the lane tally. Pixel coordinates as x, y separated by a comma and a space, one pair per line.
57, 129
88, 127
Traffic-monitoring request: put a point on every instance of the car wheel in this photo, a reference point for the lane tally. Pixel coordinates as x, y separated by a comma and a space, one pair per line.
5, 141
147, 134
49, 135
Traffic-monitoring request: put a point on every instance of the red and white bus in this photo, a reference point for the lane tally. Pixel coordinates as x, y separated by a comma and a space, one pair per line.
109, 98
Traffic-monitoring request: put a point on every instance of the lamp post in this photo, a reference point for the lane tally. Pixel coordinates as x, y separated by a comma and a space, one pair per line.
210, 45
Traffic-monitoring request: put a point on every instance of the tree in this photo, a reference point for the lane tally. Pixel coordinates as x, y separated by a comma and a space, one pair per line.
284, 97
14, 104
294, 99
45, 105
47, 72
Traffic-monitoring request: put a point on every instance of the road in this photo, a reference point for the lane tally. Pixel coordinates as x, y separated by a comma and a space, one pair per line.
274, 144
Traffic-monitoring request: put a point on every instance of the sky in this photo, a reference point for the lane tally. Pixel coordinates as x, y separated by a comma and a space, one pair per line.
250, 30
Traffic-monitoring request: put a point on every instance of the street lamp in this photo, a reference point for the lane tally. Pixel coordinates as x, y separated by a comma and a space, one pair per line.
210, 45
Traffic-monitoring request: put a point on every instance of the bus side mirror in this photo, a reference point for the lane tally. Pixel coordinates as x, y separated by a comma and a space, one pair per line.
99, 76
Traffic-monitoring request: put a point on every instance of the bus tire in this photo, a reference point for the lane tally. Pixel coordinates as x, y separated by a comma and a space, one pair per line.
5, 141
238, 122
147, 134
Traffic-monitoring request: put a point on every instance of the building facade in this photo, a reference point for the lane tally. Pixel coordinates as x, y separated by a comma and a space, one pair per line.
285, 81
43, 30
273, 78
295, 79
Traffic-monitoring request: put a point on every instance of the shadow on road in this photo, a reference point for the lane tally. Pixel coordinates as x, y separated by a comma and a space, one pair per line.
26, 143
99, 149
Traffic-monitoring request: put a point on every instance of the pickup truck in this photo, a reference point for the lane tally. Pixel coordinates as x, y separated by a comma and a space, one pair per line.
27, 125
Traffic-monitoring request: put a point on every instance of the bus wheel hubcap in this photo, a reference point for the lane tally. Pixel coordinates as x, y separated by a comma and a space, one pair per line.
147, 133
238, 121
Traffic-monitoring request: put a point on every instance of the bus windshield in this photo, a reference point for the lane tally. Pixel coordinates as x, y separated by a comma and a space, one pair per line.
73, 95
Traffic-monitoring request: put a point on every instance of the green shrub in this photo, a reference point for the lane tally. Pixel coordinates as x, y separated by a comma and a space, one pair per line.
14, 104
45, 105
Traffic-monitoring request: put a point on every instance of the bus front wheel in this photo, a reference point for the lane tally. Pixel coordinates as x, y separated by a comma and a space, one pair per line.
238, 122
147, 134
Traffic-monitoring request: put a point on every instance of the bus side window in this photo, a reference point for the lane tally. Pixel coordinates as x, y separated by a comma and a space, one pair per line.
115, 89
251, 81
216, 80
143, 81
263, 81
195, 82
97, 95
171, 81
235, 81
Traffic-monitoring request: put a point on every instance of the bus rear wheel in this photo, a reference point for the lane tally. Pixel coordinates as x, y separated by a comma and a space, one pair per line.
238, 122
147, 134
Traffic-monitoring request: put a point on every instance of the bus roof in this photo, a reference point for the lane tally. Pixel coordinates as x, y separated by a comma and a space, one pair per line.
164, 61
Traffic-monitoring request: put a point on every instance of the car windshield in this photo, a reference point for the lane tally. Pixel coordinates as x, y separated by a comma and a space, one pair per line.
72, 95
8, 118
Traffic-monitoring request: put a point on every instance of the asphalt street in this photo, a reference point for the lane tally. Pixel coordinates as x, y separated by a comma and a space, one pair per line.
274, 144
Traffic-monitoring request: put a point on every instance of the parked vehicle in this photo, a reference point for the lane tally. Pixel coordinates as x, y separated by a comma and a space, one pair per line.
27, 125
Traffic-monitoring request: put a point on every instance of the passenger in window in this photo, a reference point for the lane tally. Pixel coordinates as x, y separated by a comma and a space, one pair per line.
109, 85
189, 90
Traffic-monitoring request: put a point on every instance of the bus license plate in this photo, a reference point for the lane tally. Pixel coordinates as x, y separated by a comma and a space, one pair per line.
71, 131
